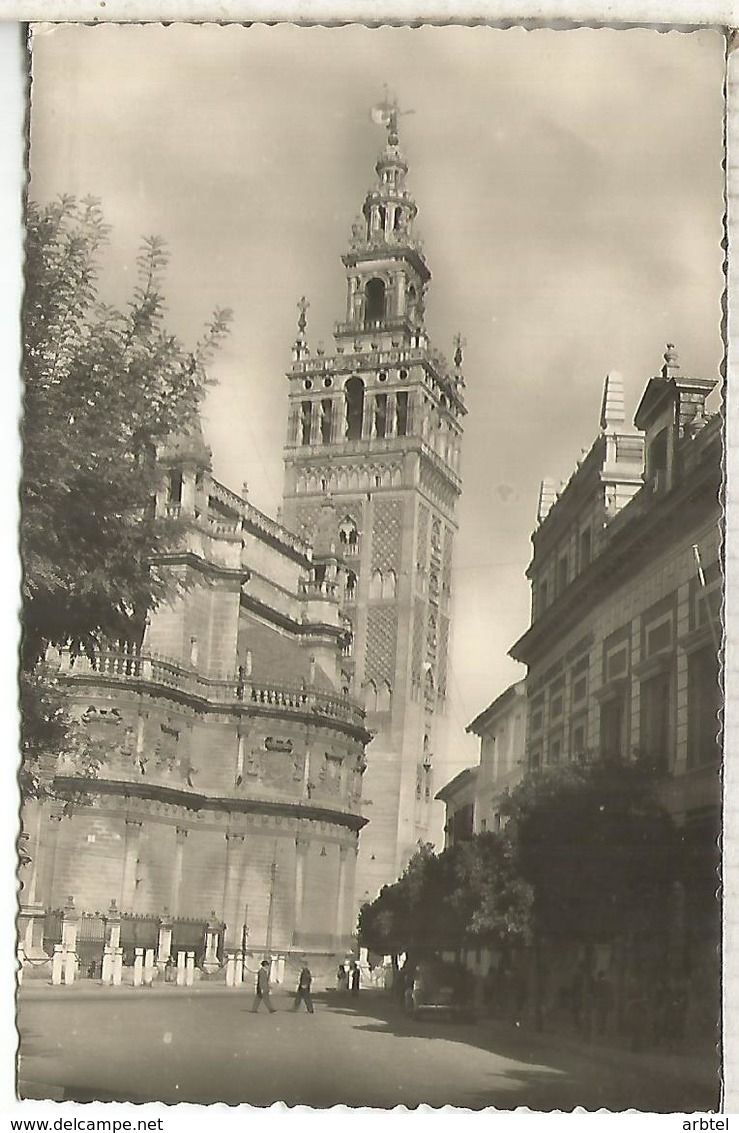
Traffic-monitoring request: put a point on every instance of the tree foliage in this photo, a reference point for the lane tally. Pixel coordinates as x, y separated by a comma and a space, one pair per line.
466, 895
103, 389
588, 851
598, 849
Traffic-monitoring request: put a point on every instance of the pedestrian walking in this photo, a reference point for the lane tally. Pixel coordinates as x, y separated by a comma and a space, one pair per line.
262, 994
354, 978
302, 993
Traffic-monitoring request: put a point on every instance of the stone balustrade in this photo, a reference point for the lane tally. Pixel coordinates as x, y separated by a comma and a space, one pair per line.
142, 668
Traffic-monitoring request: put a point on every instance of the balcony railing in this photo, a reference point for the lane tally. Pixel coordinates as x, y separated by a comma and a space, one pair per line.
143, 668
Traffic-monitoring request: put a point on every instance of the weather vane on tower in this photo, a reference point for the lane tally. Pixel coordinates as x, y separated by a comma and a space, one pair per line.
386, 113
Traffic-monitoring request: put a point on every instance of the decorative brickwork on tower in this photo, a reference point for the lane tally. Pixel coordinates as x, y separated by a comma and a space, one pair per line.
376, 428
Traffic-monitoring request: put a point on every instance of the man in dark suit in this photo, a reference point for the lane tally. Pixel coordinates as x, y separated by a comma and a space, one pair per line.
263, 989
302, 994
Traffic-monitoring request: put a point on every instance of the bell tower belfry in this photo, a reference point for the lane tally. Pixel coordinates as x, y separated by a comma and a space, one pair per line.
377, 425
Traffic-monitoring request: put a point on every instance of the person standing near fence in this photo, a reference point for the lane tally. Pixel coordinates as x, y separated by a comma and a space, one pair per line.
262, 994
302, 994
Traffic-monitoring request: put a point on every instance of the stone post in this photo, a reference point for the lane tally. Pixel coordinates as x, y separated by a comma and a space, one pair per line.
230, 969
112, 923
106, 975
149, 967
212, 933
138, 967
164, 939
181, 968
57, 965
118, 967
70, 926
190, 969
239, 970
280, 970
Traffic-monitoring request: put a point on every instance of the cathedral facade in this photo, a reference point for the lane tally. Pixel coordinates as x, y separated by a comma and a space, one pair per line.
376, 428
229, 789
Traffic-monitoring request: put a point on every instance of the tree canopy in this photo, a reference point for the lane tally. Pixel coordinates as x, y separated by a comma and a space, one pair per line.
598, 849
587, 851
103, 389
466, 895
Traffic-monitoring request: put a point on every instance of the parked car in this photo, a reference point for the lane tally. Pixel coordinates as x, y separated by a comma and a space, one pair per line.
441, 990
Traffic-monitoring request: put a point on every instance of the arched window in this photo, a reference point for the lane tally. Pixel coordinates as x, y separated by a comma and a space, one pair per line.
411, 302
348, 534
374, 302
376, 584
369, 696
306, 416
384, 697
388, 584
354, 395
380, 414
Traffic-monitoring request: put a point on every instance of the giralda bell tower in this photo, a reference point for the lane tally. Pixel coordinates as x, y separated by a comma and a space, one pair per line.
373, 447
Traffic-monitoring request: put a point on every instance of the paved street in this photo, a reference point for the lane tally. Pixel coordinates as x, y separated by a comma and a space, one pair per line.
209, 1047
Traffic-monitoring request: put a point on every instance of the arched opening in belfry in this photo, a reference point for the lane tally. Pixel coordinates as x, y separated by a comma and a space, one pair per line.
306, 421
374, 302
354, 395
411, 302
326, 419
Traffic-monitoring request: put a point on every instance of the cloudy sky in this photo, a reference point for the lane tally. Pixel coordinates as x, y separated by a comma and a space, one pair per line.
569, 186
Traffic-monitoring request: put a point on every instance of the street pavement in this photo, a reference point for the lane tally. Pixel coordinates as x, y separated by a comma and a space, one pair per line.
210, 1047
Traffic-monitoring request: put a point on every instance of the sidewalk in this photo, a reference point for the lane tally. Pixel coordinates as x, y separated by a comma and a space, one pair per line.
699, 1069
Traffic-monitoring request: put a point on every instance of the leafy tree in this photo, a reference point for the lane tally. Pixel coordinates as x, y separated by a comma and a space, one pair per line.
104, 389
470, 893
597, 847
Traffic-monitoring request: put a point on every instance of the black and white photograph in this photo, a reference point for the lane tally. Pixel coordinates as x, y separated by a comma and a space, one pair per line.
370, 666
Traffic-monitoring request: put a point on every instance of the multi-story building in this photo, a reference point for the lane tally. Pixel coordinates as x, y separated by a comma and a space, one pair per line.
377, 425
458, 796
230, 785
474, 797
623, 647
502, 731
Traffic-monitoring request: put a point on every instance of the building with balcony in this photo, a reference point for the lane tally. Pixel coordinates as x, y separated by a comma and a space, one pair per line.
623, 646
232, 756
377, 425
